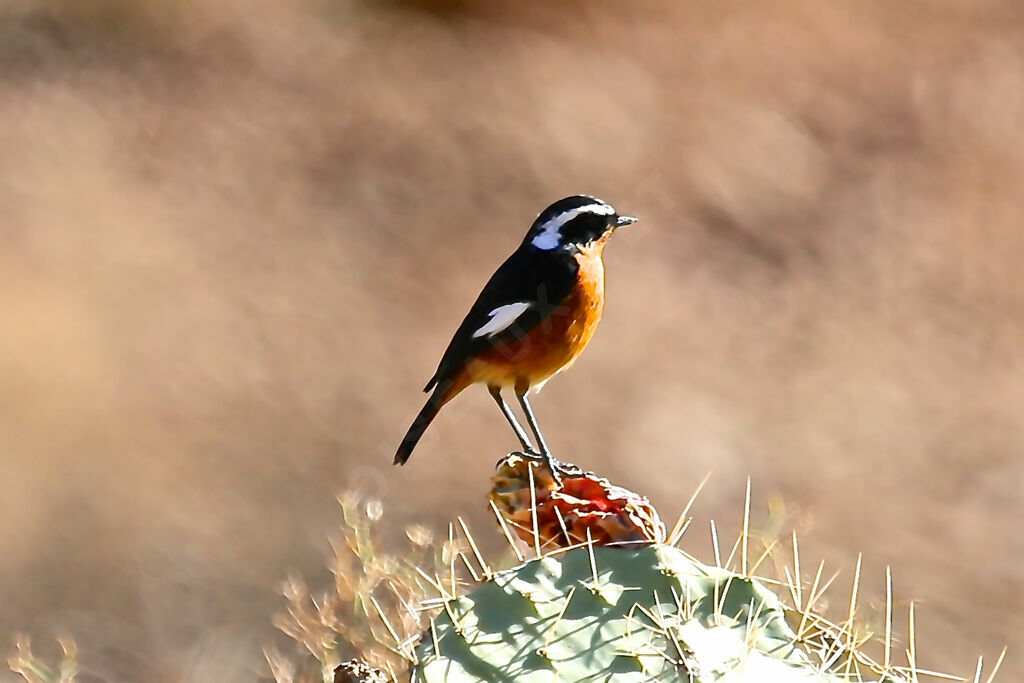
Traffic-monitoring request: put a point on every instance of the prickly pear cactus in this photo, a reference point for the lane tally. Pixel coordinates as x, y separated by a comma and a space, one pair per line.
612, 614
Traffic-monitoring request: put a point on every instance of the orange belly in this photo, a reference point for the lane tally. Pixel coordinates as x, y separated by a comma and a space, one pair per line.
551, 346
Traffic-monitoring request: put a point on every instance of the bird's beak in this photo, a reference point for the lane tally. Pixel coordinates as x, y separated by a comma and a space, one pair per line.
623, 221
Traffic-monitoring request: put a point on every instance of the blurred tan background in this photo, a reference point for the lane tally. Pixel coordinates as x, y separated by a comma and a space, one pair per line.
236, 236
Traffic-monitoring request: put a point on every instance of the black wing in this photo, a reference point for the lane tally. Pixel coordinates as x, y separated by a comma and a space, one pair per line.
541, 278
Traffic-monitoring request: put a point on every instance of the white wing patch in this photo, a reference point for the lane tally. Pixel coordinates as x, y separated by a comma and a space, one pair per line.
502, 318
550, 235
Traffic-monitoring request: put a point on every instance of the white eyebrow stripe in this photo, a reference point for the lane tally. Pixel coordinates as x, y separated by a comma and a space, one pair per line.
502, 318
550, 235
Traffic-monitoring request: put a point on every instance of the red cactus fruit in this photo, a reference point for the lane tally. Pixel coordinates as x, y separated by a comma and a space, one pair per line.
585, 502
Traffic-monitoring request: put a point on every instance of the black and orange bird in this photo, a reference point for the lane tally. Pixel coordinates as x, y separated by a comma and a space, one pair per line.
532, 320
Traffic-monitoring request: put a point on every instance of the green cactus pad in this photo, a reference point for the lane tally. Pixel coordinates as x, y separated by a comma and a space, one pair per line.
653, 614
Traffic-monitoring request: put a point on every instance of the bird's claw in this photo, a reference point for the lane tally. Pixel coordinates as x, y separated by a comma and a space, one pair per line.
554, 466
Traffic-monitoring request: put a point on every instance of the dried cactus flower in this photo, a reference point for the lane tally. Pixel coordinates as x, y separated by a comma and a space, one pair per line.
586, 507
356, 671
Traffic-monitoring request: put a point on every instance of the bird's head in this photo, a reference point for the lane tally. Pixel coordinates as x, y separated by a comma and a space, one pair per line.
576, 221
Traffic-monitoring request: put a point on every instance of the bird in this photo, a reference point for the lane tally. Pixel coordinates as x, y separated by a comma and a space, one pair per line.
532, 320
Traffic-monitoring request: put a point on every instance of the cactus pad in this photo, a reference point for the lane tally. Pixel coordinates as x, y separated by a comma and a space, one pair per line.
613, 614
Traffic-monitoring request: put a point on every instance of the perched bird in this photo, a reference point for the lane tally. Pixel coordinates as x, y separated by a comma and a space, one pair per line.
532, 320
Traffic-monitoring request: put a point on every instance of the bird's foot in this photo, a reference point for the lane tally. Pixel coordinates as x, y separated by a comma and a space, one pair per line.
554, 466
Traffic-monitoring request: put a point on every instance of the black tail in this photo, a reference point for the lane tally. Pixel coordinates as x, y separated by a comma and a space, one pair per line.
420, 424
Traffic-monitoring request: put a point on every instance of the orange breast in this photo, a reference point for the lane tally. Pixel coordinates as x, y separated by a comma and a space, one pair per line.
554, 344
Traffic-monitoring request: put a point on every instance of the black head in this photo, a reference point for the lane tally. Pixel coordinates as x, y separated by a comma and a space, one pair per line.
574, 222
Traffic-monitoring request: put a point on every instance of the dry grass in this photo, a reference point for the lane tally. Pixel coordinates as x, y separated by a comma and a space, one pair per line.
376, 595
237, 234
33, 669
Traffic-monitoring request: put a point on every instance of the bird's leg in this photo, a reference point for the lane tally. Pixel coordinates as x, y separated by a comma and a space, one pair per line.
524, 440
545, 453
